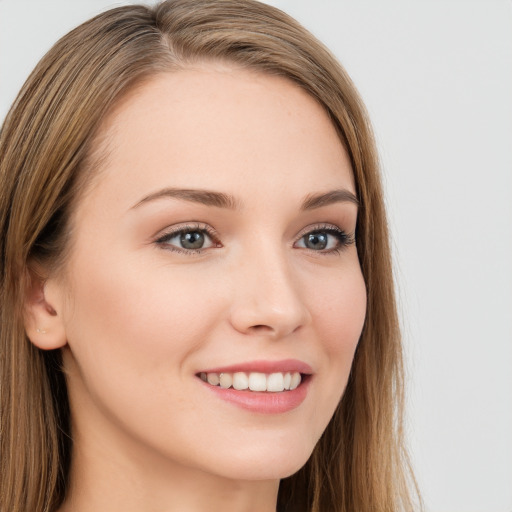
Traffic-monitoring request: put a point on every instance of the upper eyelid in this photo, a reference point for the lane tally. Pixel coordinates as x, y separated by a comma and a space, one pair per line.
176, 230
319, 227
199, 226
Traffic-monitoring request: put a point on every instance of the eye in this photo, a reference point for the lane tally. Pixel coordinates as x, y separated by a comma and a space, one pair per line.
326, 239
188, 239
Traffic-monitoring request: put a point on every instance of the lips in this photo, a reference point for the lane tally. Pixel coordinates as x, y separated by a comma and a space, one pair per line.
260, 386
284, 365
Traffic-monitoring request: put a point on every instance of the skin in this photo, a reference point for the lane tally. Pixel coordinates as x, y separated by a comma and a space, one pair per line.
137, 320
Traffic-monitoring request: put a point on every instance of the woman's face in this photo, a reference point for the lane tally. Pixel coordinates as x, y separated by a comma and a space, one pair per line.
217, 237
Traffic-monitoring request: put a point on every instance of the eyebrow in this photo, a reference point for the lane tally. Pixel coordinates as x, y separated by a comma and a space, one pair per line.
313, 201
222, 200
206, 197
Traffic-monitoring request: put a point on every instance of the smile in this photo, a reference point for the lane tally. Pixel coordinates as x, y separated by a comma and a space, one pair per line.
266, 387
254, 381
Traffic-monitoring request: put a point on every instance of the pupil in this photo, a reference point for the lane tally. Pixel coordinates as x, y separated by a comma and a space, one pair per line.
192, 240
316, 241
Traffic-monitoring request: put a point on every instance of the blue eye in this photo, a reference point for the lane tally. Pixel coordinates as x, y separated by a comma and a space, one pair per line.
327, 239
192, 240
187, 239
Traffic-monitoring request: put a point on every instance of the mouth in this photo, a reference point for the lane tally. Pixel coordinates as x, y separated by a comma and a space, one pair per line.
260, 386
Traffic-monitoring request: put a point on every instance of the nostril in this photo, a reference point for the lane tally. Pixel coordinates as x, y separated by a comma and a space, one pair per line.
262, 328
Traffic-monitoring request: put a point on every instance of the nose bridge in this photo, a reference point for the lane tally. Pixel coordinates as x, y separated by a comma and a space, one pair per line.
268, 300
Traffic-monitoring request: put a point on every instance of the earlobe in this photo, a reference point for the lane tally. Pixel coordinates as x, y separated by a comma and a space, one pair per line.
43, 323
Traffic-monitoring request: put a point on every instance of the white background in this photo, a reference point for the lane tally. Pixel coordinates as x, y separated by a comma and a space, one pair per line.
437, 79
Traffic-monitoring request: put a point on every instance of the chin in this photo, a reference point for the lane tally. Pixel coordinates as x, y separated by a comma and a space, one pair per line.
266, 463
265, 470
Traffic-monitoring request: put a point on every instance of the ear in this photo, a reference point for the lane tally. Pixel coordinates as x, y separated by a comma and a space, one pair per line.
43, 320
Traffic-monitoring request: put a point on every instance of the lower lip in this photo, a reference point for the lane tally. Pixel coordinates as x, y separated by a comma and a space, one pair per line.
266, 402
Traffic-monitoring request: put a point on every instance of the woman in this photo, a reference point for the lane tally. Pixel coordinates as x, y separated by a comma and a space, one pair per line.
197, 299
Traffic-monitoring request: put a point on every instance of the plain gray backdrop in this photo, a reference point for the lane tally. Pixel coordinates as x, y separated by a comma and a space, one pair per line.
437, 80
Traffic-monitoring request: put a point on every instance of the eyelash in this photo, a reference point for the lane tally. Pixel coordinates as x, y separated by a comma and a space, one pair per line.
200, 228
344, 239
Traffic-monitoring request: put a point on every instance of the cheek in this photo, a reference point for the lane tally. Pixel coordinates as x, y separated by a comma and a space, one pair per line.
129, 319
339, 310
130, 336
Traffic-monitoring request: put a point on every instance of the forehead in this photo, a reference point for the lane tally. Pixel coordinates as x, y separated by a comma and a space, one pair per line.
218, 127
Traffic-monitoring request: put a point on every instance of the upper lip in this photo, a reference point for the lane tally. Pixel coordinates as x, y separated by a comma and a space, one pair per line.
262, 366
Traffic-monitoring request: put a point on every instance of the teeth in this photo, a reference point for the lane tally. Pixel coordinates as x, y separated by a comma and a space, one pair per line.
287, 380
257, 381
275, 382
240, 381
225, 380
254, 381
213, 379
295, 380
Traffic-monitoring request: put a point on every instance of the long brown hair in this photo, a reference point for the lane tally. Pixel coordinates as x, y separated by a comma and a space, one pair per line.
46, 153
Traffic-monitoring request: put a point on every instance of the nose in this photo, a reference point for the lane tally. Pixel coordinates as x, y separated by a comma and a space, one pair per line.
268, 299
